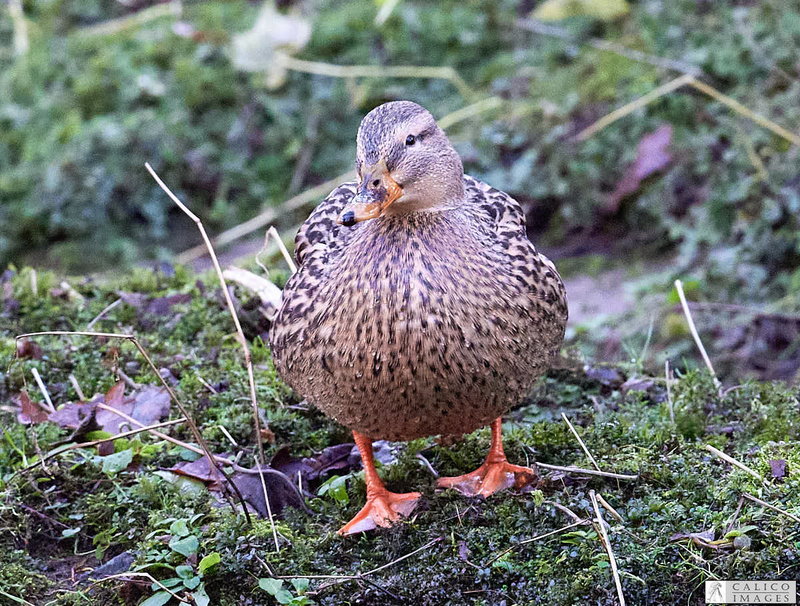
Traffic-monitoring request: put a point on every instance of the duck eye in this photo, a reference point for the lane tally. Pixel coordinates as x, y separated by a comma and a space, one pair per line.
410, 140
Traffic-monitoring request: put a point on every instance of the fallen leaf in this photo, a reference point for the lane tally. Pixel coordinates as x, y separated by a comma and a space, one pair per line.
314, 468
606, 10
778, 467
29, 412
29, 349
281, 490
255, 49
200, 469
147, 405
269, 294
652, 156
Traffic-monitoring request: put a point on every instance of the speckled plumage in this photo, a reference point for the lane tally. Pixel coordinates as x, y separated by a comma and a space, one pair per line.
419, 323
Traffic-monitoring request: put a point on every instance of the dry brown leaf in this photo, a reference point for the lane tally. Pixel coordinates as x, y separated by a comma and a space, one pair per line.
652, 155
29, 412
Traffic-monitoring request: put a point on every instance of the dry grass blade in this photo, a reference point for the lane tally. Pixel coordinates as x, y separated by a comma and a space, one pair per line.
538, 537
577, 437
734, 462
115, 26
273, 233
124, 434
260, 462
750, 497
17, 14
470, 111
687, 80
145, 575
77, 387
376, 71
609, 508
189, 421
267, 217
668, 380
102, 314
601, 530
43, 389
695, 334
590, 472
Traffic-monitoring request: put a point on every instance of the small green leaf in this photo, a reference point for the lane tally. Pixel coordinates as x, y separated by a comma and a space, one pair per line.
185, 547
191, 583
157, 599
185, 572
211, 560
70, 532
200, 596
114, 463
300, 585
271, 586
165, 583
179, 528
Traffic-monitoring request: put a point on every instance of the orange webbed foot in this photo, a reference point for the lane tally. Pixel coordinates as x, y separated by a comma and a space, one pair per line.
383, 508
490, 478
495, 474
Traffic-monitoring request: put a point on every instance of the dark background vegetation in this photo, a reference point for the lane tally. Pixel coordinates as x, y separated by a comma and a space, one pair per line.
86, 106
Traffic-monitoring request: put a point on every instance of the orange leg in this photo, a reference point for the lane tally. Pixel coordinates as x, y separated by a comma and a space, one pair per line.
495, 474
383, 507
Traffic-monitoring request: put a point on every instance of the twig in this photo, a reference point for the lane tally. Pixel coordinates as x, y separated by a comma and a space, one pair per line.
735, 514
116, 26
695, 334
631, 107
687, 80
58, 451
566, 510
228, 435
146, 575
538, 537
601, 530
261, 460
277, 237
189, 421
375, 71
609, 508
206, 384
102, 314
577, 437
385, 12
750, 497
21, 42
352, 577
43, 389
127, 380
266, 217
34, 283
77, 387
591, 472
465, 113
427, 464
668, 380
537, 27
733, 462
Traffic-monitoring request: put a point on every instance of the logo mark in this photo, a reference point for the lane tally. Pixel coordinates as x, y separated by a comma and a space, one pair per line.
751, 592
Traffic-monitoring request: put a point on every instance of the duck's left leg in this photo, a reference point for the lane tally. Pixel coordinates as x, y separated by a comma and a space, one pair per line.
383, 507
495, 474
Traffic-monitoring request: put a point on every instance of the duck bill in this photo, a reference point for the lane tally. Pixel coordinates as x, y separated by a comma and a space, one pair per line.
377, 192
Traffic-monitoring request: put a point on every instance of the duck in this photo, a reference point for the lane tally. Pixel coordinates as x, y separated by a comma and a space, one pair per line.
419, 306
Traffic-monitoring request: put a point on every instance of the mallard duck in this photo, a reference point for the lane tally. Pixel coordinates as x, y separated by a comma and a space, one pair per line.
419, 306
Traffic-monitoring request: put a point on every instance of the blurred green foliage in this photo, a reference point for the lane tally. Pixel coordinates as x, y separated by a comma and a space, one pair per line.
81, 113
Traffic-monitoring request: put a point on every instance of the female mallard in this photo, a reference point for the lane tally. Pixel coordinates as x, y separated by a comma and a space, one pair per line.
419, 306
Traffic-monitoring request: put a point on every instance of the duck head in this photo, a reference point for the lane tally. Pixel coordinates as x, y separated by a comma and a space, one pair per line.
405, 163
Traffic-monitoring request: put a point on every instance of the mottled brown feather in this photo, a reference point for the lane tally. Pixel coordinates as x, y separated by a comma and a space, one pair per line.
430, 322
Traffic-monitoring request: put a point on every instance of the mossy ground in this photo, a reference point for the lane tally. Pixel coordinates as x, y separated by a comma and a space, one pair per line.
56, 521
